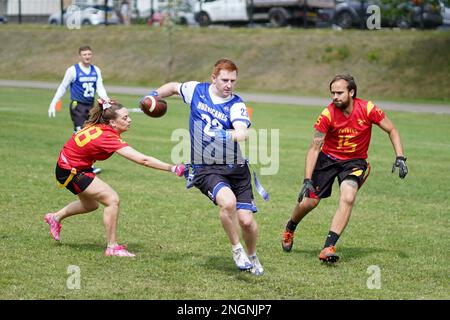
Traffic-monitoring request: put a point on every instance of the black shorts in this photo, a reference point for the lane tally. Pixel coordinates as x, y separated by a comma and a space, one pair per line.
327, 169
211, 178
79, 113
79, 182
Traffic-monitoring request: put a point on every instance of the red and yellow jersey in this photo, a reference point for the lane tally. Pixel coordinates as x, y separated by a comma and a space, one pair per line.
93, 143
348, 137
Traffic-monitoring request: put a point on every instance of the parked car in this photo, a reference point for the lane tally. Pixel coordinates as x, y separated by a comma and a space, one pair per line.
92, 15
350, 13
181, 14
3, 20
445, 12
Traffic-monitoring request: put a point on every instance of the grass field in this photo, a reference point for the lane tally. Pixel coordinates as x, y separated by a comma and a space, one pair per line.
401, 226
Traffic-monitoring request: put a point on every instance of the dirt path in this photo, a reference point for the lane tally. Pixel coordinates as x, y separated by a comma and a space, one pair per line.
246, 96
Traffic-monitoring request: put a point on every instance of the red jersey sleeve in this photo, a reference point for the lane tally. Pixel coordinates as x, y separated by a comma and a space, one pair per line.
323, 121
374, 113
112, 142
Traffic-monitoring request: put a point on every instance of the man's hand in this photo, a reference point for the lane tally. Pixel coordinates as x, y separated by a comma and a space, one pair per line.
307, 189
178, 169
52, 111
400, 163
222, 134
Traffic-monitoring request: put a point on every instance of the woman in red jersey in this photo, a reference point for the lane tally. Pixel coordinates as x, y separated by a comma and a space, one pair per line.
98, 140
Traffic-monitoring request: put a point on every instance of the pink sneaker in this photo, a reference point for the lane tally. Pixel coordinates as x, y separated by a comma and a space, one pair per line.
55, 226
119, 251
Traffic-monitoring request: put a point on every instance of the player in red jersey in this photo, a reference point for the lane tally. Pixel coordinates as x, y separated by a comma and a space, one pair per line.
98, 140
339, 149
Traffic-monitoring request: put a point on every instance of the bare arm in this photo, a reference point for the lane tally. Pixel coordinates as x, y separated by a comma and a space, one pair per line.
387, 125
313, 153
140, 158
168, 89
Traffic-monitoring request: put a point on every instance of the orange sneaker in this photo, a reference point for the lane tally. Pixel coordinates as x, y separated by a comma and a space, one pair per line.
328, 254
287, 240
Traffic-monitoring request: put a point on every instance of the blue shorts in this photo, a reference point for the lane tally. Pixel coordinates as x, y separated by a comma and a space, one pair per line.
211, 178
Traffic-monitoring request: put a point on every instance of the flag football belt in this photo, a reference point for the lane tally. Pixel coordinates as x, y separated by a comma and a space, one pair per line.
73, 172
190, 179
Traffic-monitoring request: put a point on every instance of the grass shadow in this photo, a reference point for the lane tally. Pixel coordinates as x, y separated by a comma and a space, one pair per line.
133, 247
226, 265
349, 253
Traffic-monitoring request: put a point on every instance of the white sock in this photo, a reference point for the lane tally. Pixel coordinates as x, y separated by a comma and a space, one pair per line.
234, 247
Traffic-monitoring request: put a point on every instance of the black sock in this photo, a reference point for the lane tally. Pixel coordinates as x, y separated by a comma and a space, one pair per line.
291, 225
331, 240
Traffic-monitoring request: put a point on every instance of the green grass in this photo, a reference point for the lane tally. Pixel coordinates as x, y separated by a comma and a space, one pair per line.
389, 64
401, 226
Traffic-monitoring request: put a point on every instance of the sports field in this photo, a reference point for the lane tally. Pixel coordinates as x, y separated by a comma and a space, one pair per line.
398, 227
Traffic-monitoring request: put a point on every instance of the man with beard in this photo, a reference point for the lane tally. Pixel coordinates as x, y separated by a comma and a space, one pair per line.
339, 149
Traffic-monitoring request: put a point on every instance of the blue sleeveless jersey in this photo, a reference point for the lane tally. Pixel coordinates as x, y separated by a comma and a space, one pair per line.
85, 85
206, 116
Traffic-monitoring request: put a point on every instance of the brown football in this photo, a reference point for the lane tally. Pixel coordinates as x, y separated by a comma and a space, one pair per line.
153, 106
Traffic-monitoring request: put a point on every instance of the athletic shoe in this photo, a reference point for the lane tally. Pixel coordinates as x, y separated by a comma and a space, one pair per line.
257, 268
96, 170
287, 240
119, 251
241, 259
328, 254
55, 226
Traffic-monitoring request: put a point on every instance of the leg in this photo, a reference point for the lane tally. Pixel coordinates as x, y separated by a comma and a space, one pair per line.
226, 201
101, 192
249, 230
348, 190
85, 204
299, 212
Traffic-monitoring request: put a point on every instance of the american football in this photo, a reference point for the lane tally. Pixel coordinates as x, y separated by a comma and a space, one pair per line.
153, 106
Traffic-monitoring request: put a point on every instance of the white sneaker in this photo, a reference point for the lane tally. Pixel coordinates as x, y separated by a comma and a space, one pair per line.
96, 170
257, 268
241, 259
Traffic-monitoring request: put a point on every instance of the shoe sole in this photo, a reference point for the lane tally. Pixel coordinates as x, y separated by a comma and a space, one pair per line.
330, 259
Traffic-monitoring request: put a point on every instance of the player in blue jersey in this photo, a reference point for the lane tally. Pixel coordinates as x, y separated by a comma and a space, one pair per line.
218, 121
85, 80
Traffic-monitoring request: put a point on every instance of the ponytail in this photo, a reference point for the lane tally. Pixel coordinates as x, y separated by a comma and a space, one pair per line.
98, 115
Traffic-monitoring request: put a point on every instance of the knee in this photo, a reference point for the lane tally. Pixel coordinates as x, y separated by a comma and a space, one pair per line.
348, 199
113, 200
247, 222
309, 203
228, 205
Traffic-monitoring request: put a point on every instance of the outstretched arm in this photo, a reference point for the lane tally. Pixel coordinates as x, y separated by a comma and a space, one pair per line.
140, 158
168, 89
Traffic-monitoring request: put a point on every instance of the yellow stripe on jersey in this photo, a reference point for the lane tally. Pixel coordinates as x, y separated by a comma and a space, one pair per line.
356, 173
370, 106
326, 113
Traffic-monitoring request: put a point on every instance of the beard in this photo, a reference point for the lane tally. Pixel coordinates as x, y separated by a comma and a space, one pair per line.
341, 104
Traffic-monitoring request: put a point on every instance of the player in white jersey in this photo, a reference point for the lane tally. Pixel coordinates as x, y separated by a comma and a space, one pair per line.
218, 121
84, 80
